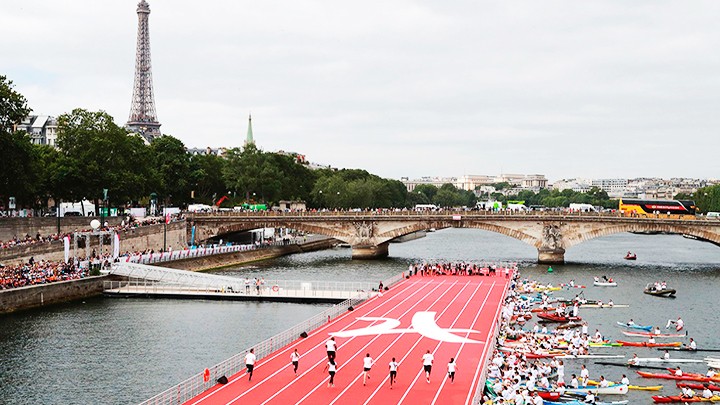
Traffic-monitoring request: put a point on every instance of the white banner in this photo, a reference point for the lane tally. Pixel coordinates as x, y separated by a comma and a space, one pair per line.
66, 240
116, 246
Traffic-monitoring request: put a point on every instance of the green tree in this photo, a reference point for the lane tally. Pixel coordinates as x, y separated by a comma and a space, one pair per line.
98, 154
707, 199
13, 106
171, 165
206, 173
428, 190
17, 178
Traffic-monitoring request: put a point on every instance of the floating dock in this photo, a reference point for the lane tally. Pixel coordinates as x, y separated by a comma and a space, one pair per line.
449, 316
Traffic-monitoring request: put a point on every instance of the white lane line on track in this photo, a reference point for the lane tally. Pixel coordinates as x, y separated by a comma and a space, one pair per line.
358, 352
407, 391
338, 397
349, 340
285, 351
387, 377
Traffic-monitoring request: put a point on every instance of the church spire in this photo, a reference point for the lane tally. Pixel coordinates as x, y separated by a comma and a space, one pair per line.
249, 139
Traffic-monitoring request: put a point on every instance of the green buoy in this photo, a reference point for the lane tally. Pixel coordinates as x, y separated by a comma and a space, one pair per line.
550, 270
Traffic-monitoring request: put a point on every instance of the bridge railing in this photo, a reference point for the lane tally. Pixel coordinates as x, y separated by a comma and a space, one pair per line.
197, 384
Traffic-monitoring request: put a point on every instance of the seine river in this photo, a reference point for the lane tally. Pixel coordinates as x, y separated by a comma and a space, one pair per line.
122, 351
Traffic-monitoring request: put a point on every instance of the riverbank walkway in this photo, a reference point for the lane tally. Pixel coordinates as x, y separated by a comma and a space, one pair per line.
447, 316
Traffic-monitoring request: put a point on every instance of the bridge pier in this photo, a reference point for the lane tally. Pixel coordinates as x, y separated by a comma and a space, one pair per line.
551, 256
365, 252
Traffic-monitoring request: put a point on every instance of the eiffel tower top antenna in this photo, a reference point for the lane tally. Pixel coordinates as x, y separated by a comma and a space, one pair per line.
143, 119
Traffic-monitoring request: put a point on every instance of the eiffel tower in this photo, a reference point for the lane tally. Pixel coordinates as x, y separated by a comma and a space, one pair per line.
143, 119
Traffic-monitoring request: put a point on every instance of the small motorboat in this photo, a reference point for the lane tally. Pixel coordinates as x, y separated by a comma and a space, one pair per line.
604, 282
662, 292
630, 256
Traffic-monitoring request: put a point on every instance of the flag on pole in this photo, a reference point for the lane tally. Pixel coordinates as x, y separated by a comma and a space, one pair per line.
167, 218
116, 246
66, 241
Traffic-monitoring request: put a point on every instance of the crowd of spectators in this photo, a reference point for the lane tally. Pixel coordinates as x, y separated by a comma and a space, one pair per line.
38, 272
127, 224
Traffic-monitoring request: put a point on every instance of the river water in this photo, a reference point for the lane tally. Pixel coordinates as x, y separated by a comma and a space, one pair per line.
122, 351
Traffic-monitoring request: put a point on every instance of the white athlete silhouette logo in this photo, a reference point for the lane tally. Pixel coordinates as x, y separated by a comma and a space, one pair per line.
422, 323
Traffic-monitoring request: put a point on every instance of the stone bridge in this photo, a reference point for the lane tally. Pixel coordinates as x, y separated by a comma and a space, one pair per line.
370, 232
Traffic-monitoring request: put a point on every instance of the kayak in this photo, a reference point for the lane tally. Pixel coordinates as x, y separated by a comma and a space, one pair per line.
661, 360
604, 284
604, 306
570, 325
547, 316
604, 344
632, 387
696, 386
663, 399
687, 349
610, 363
657, 335
591, 356
571, 286
684, 377
549, 395
615, 389
639, 327
578, 402
648, 344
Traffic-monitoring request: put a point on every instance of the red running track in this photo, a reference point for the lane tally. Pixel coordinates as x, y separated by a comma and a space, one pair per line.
464, 310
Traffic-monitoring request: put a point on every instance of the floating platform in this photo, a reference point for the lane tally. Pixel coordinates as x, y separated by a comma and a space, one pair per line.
449, 316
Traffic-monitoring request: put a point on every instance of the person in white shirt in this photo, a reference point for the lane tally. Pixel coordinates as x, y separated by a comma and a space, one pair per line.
295, 360
584, 373
393, 371
651, 339
250, 363
367, 365
452, 366
666, 356
603, 382
331, 347
331, 368
625, 380
590, 398
707, 393
427, 360
536, 399
574, 382
692, 345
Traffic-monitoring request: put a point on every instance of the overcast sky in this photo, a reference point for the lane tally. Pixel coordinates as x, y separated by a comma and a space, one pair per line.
592, 89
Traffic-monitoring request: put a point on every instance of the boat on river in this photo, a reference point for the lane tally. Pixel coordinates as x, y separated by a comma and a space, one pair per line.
649, 334
605, 283
665, 361
648, 344
668, 399
633, 326
614, 389
663, 292
554, 317
630, 256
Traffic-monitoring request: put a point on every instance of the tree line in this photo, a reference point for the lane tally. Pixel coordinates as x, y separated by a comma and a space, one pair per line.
94, 154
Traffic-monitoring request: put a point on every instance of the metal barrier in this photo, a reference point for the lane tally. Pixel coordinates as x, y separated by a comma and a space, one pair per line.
274, 288
197, 384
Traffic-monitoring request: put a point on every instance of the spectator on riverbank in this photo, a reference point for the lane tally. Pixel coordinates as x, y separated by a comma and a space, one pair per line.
39, 272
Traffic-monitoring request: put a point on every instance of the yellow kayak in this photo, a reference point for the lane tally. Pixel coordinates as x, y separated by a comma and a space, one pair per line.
632, 387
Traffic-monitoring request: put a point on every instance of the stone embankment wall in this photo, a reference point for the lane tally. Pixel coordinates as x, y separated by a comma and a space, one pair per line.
146, 237
19, 227
53, 293
234, 258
